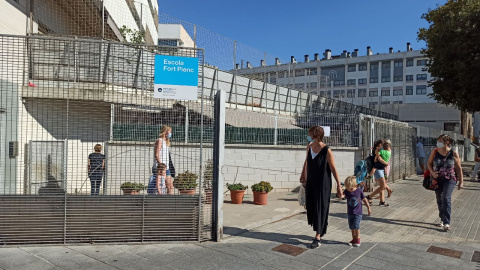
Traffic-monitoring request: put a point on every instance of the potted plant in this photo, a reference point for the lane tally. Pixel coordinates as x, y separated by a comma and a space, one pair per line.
186, 183
260, 192
208, 181
130, 188
236, 192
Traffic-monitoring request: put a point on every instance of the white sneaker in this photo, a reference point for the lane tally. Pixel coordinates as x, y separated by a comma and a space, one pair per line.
441, 224
446, 227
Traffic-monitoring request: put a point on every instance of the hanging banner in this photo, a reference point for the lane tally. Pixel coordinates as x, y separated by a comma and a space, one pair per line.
176, 77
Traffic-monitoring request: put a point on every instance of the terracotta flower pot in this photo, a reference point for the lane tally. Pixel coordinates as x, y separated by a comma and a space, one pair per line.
237, 196
187, 191
260, 198
130, 192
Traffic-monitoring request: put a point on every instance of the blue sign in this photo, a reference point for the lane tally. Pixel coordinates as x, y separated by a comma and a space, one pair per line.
176, 77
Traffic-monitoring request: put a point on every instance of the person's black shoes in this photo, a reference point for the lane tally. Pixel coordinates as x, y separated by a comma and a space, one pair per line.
315, 244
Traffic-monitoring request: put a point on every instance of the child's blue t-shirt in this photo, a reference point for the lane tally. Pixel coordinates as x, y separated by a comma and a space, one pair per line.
354, 201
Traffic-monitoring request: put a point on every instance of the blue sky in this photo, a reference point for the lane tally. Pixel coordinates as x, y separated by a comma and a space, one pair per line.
284, 28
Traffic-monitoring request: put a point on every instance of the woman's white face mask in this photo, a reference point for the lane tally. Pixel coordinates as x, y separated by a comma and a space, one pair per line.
440, 144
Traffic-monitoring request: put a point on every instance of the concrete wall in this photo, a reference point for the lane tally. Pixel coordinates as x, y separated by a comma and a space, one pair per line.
279, 165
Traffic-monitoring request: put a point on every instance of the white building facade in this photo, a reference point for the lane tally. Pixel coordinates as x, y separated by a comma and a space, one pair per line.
390, 82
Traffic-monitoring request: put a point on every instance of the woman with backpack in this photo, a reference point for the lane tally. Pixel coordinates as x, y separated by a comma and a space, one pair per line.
444, 165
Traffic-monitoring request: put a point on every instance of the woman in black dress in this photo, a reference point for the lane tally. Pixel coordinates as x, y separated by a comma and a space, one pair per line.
317, 178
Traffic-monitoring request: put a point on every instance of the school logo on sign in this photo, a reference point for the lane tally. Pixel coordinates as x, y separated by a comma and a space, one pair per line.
176, 77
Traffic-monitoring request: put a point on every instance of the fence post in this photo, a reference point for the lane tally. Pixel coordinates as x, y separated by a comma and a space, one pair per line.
275, 131
186, 124
218, 158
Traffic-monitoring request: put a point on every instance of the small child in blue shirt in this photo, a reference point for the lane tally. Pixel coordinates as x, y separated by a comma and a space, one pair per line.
354, 197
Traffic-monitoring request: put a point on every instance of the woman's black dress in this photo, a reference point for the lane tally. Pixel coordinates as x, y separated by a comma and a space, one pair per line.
318, 190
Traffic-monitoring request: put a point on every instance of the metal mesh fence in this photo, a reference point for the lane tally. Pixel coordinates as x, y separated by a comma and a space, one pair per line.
60, 97
402, 160
248, 69
120, 20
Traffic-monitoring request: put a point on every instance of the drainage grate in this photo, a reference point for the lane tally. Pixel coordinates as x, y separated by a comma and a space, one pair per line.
289, 249
476, 256
445, 252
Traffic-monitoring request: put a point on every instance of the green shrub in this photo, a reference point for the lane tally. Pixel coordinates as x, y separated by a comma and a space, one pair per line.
262, 187
185, 181
208, 175
237, 186
132, 186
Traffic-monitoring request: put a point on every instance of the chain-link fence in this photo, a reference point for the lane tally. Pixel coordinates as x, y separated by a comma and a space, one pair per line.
66, 105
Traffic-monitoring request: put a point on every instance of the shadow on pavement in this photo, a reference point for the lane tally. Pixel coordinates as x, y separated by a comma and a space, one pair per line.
408, 223
298, 240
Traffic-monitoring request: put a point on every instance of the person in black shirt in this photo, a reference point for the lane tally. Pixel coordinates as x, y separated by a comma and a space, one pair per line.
96, 167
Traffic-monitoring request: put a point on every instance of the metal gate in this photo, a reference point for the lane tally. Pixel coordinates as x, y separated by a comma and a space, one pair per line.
403, 139
70, 94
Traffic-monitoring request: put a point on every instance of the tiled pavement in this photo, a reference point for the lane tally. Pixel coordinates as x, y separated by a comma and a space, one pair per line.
394, 237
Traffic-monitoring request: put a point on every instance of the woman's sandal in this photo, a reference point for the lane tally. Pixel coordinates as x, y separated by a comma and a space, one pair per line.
370, 201
390, 191
384, 204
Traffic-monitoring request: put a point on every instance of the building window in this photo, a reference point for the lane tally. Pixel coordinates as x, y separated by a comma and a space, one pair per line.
421, 89
351, 82
362, 67
421, 77
299, 86
299, 73
374, 80
385, 93
386, 79
362, 92
168, 42
351, 93
398, 102
385, 65
329, 93
372, 105
385, 102
409, 62
352, 68
398, 64
313, 85
273, 80
451, 126
338, 93
373, 93
397, 78
421, 62
338, 83
322, 93
409, 78
281, 74
312, 71
397, 92
409, 90
374, 66
362, 81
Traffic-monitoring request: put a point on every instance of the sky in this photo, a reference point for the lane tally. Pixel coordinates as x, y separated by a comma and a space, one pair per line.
295, 28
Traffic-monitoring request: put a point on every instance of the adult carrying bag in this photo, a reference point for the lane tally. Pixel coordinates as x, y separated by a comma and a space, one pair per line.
429, 182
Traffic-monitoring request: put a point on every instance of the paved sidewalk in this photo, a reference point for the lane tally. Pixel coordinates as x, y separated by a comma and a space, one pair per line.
395, 237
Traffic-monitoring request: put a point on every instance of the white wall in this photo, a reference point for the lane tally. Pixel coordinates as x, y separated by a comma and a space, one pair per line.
12, 20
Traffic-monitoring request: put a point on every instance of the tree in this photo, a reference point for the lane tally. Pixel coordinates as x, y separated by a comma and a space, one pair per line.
453, 48
132, 36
